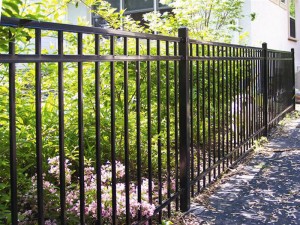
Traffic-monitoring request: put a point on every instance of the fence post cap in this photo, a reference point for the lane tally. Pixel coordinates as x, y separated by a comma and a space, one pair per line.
182, 31
183, 28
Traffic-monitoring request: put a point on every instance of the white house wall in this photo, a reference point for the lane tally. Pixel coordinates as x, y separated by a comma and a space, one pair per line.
271, 25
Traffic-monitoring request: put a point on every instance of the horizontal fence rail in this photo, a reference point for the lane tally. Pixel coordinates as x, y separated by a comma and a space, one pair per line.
101, 126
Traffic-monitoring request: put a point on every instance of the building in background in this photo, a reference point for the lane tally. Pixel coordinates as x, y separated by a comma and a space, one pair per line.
277, 22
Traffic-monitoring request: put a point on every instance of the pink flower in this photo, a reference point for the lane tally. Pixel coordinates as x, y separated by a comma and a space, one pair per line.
120, 170
55, 168
92, 209
28, 213
147, 209
90, 178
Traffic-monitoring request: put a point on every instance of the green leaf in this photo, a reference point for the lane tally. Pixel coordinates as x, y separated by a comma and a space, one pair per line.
12, 6
7, 12
18, 2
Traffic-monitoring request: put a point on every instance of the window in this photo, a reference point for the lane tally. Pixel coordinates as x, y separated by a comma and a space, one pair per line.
283, 1
132, 5
292, 22
292, 28
136, 8
115, 4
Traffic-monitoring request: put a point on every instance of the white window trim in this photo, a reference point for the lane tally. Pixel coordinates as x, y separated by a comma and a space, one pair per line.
289, 28
284, 4
275, 1
280, 3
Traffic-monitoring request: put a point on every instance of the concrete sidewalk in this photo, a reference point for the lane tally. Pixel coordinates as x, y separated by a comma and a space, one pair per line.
266, 190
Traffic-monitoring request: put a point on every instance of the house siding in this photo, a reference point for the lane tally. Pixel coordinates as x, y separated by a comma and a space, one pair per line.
271, 25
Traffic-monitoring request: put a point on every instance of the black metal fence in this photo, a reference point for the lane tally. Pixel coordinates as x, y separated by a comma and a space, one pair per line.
109, 126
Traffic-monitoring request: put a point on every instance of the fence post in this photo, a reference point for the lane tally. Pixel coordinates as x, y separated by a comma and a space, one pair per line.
294, 74
265, 86
184, 119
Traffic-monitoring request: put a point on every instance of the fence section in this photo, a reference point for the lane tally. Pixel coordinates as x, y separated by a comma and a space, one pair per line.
237, 93
226, 102
103, 107
280, 84
103, 126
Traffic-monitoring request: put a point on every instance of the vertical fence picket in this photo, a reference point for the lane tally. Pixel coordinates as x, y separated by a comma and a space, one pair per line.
191, 79
203, 115
149, 124
113, 132
168, 128
244, 101
38, 126
223, 108
219, 108
239, 103
230, 104
126, 134
226, 108
138, 127
209, 117
176, 124
198, 116
159, 141
12, 134
81, 131
98, 131
234, 103
214, 108
62, 177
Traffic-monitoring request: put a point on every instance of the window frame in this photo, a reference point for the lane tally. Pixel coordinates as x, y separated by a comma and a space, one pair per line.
138, 10
284, 4
157, 7
291, 38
